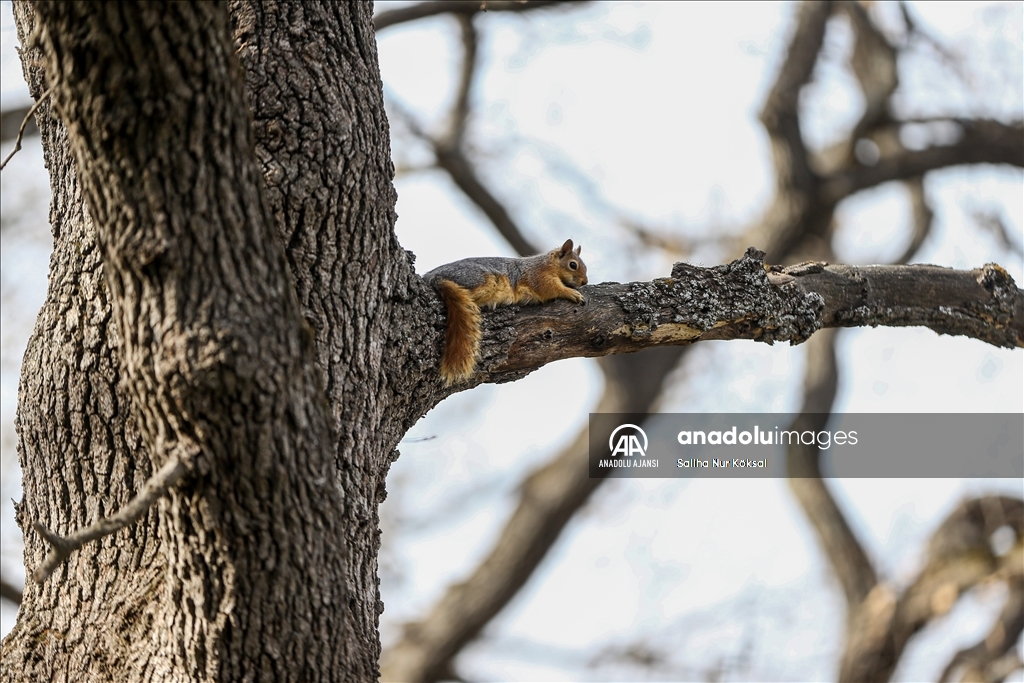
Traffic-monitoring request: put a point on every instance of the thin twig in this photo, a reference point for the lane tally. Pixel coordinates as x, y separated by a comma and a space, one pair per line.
154, 489
949, 58
24, 123
923, 219
996, 645
662, 238
454, 162
10, 119
460, 111
993, 222
464, 7
8, 591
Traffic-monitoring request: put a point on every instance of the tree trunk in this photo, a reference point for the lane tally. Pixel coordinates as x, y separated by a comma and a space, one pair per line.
172, 329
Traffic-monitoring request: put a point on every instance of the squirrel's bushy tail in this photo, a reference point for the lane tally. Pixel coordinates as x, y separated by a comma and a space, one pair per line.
462, 332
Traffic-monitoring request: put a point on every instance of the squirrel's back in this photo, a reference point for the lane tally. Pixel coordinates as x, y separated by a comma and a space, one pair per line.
474, 272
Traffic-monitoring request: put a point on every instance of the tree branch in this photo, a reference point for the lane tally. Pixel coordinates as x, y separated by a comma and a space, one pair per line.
983, 303
845, 554
548, 498
922, 216
959, 557
741, 301
460, 111
24, 125
796, 215
983, 141
154, 489
976, 661
874, 64
462, 174
422, 10
780, 114
454, 162
11, 120
8, 591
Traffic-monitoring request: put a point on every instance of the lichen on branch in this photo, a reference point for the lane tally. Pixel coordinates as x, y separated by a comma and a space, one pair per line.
747, 299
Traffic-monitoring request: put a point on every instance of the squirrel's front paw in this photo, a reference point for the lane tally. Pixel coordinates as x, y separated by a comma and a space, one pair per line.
577, 296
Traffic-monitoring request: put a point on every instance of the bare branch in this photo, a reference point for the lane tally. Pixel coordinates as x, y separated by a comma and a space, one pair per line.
922, 218
780, 114
154, 489
548, 498
460, 169
912, 295
464, 176
460, 112
874, 64
450, 156
796, 215
846, 556
976, 661
740, 301
983, 141
993, 221
24, 124
10, 121
463, 7
8, 591
805, 200
959, 558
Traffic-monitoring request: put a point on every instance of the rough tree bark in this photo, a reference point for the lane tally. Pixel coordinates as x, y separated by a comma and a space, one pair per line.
226, 291
172, 322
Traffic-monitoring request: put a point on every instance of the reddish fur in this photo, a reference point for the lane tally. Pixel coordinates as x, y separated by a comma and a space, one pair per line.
539, 279
462, 332
495, 291
544, 283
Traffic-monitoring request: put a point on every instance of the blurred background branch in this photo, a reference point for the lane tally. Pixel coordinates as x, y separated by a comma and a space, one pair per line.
798, 224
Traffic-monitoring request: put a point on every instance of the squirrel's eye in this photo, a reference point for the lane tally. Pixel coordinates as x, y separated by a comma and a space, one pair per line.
572, 265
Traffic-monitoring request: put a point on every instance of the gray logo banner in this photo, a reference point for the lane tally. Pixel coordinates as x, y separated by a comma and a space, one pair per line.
925, 445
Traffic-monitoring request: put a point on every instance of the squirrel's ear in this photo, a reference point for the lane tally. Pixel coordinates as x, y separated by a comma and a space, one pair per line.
566, 248
579, 249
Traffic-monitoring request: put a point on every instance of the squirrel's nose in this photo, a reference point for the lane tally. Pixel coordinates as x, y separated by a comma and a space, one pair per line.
584, 281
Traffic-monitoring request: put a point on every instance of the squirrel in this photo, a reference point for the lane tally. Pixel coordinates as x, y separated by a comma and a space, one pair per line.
472, 283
